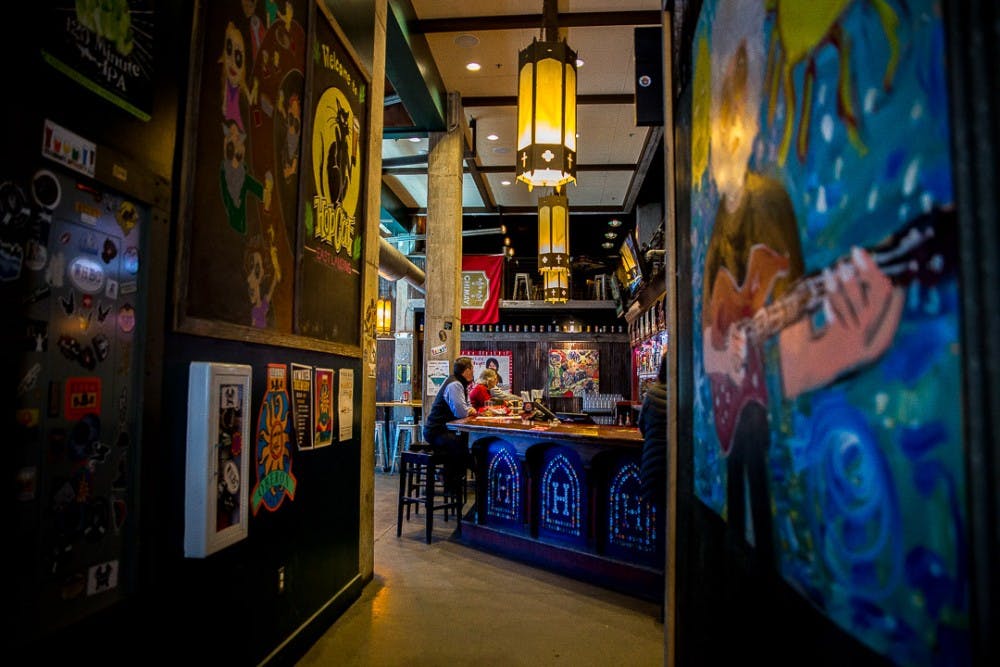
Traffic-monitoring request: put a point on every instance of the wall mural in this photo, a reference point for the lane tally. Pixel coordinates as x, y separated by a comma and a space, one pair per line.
574, 372
827, 377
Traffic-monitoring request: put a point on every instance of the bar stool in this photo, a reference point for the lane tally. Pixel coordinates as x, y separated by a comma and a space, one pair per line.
428, 466
522, 281
381, 447
601, 289
407, 435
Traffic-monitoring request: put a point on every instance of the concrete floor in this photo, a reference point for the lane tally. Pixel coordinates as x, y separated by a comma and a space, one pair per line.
447, 604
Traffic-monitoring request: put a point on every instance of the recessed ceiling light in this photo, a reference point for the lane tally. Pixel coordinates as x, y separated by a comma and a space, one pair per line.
614, 222
492, 137
467, 40
579, 62
415, 140
473, 67
607, 244
504, 182
610, 235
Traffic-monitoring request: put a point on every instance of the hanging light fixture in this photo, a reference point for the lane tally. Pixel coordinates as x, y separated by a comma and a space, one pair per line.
383, 316
546, 108
553, 246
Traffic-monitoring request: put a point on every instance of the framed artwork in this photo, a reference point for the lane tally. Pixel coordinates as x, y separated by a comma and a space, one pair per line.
573, 372
259, 258
217, 465
499, 360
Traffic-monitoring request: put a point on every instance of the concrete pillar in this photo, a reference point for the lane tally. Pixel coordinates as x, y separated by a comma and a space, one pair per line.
373, 204
442, 305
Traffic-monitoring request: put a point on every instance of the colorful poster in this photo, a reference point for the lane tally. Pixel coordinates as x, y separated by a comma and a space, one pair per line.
498, 360
332, 208
437, 373
107, 47
345, 399
482, 285
573, 372
275, 480
827, 360
324, 412
302, 405
230, 491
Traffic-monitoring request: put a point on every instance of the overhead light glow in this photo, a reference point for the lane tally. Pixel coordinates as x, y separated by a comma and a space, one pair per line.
492, 137
473, 67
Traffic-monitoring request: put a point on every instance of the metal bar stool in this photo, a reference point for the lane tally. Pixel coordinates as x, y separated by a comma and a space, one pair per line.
522, 281
381, 447
407, 435
432, 495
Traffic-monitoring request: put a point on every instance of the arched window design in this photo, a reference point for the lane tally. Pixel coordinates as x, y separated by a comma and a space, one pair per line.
631, 520
561, 510
504, 484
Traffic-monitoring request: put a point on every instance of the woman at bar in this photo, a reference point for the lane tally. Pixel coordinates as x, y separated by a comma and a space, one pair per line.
487, 389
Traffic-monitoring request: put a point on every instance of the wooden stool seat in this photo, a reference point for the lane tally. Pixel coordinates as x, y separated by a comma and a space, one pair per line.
420, 484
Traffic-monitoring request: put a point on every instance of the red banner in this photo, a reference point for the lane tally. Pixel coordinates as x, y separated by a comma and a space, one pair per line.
482, 283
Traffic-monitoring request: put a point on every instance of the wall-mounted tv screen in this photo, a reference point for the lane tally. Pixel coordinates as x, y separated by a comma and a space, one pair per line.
629, 270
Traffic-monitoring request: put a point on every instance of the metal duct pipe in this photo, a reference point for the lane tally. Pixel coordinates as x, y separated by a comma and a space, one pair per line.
394, 265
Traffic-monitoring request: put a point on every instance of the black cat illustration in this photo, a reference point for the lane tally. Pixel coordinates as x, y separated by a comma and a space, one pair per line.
340, 158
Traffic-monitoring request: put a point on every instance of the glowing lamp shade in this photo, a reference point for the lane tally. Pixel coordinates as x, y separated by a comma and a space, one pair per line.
553, 246
383, 317
546, 114
556, 286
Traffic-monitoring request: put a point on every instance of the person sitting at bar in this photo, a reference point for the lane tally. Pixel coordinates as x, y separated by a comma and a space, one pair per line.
486, 390
451, 403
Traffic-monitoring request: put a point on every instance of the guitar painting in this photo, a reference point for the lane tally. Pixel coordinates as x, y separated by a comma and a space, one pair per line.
742, 317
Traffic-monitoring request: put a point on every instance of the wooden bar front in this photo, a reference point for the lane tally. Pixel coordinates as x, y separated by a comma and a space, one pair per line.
565, 497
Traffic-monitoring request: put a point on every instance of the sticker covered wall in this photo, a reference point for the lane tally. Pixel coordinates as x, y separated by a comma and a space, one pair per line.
823, 243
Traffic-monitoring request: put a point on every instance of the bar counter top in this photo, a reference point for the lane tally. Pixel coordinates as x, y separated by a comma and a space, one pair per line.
564, 431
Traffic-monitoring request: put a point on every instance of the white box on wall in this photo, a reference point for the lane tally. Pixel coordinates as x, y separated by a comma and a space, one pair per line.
218, 457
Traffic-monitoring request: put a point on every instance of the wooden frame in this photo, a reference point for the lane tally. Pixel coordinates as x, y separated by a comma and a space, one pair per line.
246, 256
217, 466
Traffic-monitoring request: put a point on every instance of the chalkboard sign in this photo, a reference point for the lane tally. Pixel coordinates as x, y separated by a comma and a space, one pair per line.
105, 46
332, 201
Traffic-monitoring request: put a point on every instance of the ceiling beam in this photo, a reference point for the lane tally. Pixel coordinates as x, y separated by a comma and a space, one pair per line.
532, 21
653, 138
411, 70
473, 167
511, 100
403, 166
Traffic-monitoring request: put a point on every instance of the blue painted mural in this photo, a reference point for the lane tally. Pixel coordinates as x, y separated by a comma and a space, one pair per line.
828, 418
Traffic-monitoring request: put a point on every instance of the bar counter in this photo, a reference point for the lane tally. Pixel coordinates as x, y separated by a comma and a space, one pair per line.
565, 497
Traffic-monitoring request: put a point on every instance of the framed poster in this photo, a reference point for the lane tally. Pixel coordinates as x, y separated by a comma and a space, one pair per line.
332, 195
244, 170
498, 360
573, 372
217, 466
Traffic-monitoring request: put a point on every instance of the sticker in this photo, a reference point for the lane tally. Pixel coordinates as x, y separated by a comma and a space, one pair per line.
88, 243
54, 274
102, 346
36, 336
11, 258
130, 260
442, 335
65, 147
112, 290
27, 417
68, 303
29, 380
127, 216
103, 577
110, 251
65, 237
45, 189
86, 275
87, 301
36, 255
14, 210
323, 413
439, 350
102, 312
231, 477
27, 483
129, 287
37, 295
83, 396
126, 318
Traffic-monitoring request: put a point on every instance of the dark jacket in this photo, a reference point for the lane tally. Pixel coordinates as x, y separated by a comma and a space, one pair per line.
440, 413
653, 426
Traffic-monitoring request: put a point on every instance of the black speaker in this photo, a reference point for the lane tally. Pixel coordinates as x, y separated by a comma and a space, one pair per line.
648, 76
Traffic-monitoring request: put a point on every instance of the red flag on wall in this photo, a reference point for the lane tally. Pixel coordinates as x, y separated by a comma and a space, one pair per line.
482, 284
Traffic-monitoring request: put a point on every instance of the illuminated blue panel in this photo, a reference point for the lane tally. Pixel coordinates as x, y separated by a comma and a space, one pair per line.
560, 512
503, 476
631, 520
